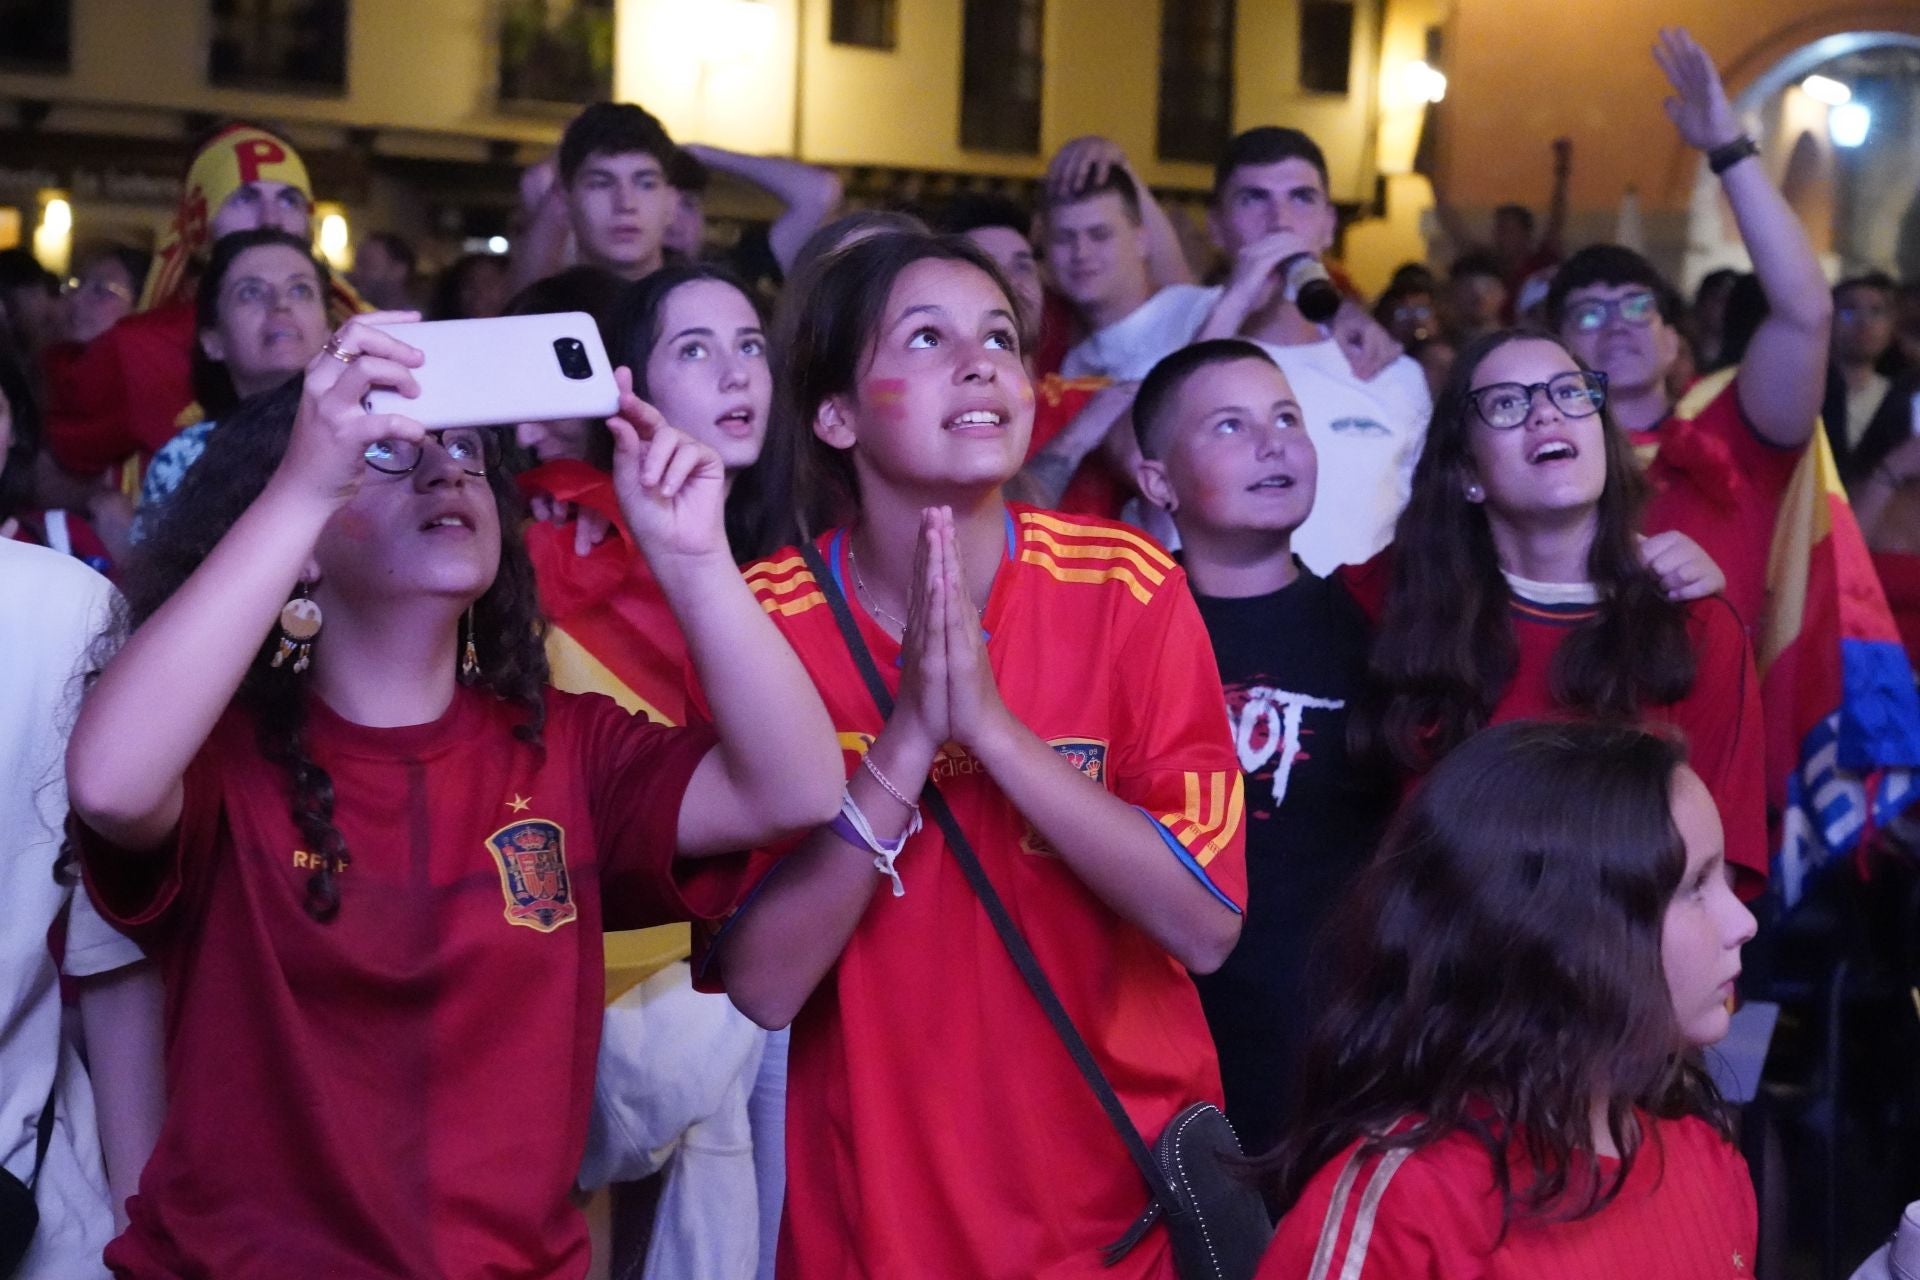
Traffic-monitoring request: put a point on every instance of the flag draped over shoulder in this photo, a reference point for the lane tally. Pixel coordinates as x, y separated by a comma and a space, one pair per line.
1843, 716
611, 631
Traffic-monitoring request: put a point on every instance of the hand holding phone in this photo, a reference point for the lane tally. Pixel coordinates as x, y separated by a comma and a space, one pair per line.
497, 372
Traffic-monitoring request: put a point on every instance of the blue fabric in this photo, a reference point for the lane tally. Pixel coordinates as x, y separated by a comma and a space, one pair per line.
1191, 863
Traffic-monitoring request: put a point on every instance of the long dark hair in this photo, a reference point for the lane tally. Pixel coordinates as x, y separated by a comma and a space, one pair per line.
212, 384
1501, 971
16, 465
754, 519
833, 333
1445, 650
241, 455
578, 288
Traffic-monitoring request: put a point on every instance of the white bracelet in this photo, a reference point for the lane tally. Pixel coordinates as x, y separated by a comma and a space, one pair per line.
886, 783
852, 826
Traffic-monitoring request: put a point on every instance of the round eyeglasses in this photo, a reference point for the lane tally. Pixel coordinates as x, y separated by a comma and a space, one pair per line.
1578, 393
471, 448
1636, 309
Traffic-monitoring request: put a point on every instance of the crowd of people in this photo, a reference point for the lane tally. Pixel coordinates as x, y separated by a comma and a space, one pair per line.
1059, 682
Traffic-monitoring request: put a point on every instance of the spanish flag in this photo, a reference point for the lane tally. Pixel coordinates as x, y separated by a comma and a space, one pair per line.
612, 633
1843, 716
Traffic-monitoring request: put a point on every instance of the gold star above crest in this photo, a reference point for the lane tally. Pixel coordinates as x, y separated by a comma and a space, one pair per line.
519, 802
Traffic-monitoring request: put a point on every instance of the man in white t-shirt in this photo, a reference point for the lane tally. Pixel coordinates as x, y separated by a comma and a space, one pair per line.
51, 608
1097, 253
1270, 207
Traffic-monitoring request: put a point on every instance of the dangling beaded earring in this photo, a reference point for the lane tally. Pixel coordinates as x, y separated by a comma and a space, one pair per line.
299, 624
469, 658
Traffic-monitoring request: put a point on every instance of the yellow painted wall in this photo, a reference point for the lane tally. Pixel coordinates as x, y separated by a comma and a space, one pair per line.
902, 108
714, 71
1527, 70
723, 71
412, 64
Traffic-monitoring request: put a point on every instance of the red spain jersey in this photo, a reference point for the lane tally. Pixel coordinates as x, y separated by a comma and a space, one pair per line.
402, 1091
612, 631
1686, 1213
1720, 718
1719, 483
1095, 488
936, 1126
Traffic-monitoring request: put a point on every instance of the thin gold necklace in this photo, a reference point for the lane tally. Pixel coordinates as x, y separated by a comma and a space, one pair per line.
873, 601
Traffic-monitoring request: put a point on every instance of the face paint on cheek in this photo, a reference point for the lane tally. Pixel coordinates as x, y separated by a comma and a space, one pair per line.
352, 526
887, 397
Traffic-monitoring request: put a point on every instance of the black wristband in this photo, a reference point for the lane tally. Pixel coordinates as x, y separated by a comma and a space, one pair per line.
1729, 154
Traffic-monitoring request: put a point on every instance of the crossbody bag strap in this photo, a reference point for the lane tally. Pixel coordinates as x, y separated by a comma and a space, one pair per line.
1010, 936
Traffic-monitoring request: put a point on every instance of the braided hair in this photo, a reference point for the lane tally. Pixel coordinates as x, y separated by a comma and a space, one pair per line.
241, 454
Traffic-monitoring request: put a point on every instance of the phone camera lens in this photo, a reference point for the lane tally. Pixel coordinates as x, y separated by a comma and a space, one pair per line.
572, 354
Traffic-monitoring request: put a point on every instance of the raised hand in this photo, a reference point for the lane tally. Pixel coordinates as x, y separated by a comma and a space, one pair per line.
326, 454
1685, 570
1364, 341
921, 705
672, 488
538, 182
1082, 163
975, 708
1256, 265
1699, 107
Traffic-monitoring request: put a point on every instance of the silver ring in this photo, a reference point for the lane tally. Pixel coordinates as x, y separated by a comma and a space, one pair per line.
333, 349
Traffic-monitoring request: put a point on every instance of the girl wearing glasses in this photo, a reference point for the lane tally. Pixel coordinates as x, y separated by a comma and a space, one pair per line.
1517, 587
373, 854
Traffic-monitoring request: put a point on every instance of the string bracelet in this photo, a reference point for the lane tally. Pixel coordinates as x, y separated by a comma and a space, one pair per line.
852, 826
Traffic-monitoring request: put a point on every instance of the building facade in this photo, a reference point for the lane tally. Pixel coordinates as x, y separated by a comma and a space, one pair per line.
415, 115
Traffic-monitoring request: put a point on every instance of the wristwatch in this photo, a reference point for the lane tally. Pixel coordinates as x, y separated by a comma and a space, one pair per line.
1729, 154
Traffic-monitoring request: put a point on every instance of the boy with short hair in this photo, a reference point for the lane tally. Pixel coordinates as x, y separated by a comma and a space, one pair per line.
608, 186
613, 168
1226, 453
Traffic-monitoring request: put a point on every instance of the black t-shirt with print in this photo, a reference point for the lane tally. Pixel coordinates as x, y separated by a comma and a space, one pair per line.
1291, 662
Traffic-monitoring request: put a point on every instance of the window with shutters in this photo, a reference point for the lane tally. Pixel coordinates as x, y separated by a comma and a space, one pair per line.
1001, 74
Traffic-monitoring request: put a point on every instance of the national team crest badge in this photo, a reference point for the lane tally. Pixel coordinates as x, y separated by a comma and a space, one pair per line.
533, 874
1089, 756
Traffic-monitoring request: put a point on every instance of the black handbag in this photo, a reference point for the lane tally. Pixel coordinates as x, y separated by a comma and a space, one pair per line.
19, 1215
1215, 1218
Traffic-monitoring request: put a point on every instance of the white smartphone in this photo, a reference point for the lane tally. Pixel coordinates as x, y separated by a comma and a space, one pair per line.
498, 372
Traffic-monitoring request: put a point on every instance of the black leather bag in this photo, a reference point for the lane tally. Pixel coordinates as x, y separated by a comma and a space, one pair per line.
1216, 1219
19, 1215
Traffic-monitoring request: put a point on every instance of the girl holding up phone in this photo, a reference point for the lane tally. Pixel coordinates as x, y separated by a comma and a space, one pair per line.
372, 852
1508, 1082
1051, 678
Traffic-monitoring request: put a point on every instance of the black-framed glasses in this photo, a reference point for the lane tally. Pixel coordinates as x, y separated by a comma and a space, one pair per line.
1578, 393
1637, 309
472, 448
